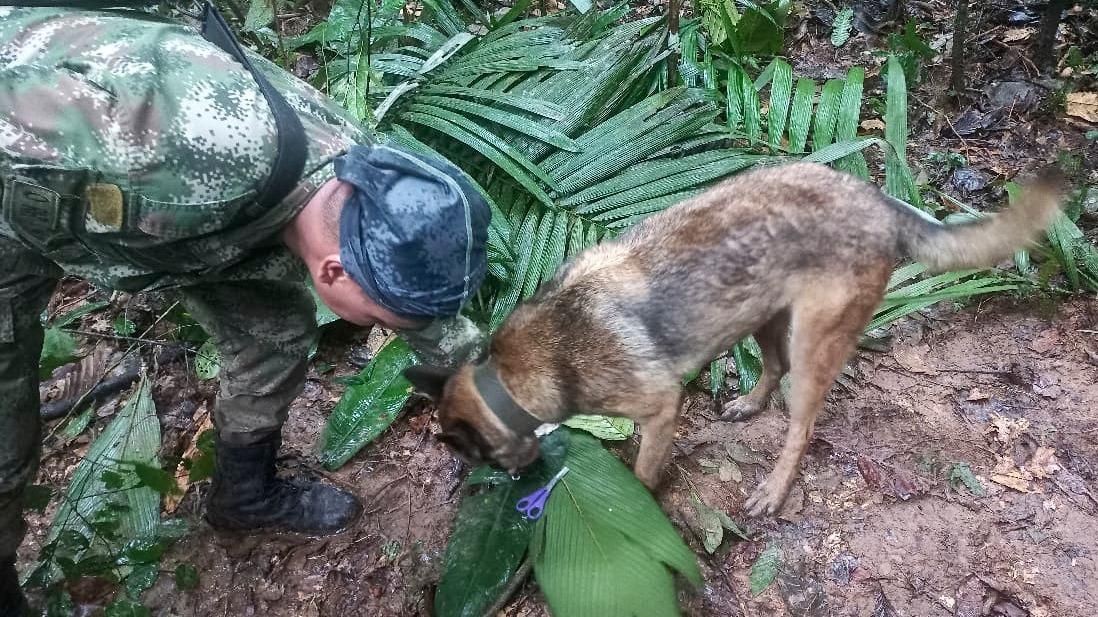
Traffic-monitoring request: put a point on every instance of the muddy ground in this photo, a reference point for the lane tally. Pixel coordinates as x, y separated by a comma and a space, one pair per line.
881, 522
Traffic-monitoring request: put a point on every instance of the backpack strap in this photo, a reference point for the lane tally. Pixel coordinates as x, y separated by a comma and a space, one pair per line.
291, 148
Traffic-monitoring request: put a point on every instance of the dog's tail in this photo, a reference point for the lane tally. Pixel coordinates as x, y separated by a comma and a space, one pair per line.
985, 241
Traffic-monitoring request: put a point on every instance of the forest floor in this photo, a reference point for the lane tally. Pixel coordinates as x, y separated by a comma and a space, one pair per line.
884, 520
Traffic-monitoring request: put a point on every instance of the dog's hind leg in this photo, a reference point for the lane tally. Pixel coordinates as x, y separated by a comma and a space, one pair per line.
773, 340
657, 435
827, 319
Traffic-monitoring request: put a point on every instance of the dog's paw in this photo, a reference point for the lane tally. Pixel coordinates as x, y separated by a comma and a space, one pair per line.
767, 499
741, 409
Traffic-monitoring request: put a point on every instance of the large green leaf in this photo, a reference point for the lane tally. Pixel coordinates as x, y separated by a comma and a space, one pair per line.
846, 125
748, 358
912, 297
605, 549
780, 93
603, 427
369, 405
58, 349
765, 569
800, 116
104, 487
490, 536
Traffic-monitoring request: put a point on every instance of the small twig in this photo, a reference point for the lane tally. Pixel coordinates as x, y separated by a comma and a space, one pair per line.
957, 62
61, 309
673, 34
117, 337
1070, 498
972, 371
517, 579
384, 487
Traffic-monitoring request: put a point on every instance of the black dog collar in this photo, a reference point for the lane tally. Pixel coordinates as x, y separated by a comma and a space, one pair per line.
498, 399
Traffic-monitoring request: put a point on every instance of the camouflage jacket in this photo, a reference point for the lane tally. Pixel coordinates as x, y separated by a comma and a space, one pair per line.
132, 149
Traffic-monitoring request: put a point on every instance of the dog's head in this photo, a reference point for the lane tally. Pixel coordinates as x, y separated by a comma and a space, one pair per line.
469, 427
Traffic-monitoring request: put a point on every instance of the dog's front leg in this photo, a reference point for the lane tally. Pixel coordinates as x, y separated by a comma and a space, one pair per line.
658, 433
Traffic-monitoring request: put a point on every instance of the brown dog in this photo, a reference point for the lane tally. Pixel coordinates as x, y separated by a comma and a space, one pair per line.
798, 249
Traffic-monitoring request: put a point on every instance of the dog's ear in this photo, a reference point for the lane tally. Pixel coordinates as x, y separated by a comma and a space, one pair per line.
428, 380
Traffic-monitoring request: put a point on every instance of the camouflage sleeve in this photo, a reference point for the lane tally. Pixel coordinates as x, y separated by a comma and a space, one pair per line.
447, 342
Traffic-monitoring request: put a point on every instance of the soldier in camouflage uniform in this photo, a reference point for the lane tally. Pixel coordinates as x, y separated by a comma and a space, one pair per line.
131, 150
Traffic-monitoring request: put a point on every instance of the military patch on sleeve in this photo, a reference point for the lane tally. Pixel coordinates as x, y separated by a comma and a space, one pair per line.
104, 207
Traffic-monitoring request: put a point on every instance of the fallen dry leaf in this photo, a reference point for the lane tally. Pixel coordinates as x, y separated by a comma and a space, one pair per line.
182, 475
741, 453
889, 481
1017, 34
1007, 430
1011, 476
873, 124
1083, 105
977, 394
1019, 484
730, 472
1044, 463
913, 360
1047, 385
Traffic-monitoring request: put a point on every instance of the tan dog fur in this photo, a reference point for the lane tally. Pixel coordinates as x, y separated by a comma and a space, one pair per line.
798, 255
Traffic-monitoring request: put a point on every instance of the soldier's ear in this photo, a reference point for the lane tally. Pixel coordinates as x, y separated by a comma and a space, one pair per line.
428, 380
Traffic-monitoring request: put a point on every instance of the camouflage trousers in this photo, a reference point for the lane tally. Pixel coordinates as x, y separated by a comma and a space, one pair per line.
262, 328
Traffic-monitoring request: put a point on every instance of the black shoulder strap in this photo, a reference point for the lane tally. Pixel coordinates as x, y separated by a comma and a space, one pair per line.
291, 148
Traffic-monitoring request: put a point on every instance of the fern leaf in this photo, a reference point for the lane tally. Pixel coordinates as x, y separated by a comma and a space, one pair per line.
840, 29
781, 87
846, 127
827, 113
497, 152
800, 116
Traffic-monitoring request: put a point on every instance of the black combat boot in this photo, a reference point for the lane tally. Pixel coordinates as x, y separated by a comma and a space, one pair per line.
246, 495
12, 602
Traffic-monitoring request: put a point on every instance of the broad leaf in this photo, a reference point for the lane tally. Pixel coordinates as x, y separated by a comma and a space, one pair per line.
605, 547
490, 536
369, 406
324, 315
58, 349
134, 436
186, 577
76, 425
603, 427
207, 362
260, 15
765, 569
123, 326
748, 359
960, 474
710, 528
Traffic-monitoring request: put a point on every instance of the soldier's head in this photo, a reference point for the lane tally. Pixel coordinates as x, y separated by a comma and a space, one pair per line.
411, 232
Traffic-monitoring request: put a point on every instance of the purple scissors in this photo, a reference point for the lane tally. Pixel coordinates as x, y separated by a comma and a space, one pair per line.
533, 504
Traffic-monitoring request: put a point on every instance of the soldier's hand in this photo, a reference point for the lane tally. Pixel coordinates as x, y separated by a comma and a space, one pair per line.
447, 342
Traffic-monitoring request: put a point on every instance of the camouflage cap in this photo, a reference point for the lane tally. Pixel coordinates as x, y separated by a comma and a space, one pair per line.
413, 232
